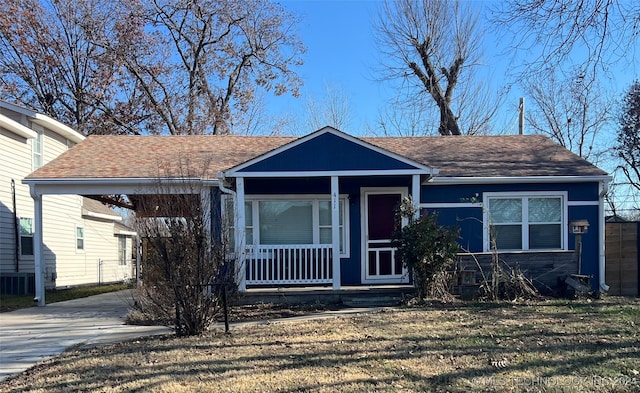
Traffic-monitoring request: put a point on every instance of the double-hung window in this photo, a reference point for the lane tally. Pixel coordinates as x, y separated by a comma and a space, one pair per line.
122, 250
79, 238
26, 236
534, 221
37, 150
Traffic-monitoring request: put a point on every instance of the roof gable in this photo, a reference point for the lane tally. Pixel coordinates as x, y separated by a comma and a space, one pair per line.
328, 150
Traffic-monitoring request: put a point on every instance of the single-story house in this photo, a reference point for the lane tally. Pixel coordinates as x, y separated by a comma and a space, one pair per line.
319, 209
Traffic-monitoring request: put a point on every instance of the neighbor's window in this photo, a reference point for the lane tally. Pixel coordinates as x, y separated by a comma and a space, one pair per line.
525, 222
122, 250
79, 238
36, 148
26, 236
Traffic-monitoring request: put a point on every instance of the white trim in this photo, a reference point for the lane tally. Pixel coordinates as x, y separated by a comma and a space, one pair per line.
364, 256
102, 216
125, 233
84, 238
583, 203
517, 179
17, 128
334, 204
603, 187
240, 239
486, 246
93, 186
314, 199
447, 205
38, 254
368, 172
39, 139
420, 168
57, 127
45, 121
415, 195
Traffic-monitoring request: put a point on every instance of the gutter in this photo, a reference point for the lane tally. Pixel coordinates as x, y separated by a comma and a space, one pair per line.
604, 188
221, 178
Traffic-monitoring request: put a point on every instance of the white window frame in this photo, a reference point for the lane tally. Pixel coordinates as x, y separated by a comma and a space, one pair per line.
122, 251
486, 237
83, 238
314, 199
37, 150
30, 235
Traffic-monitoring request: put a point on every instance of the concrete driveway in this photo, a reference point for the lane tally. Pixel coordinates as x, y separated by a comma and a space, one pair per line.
31, 335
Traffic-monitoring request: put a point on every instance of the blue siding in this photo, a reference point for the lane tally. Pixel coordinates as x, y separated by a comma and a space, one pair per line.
590, 244
463, 193
469, 220
327, 152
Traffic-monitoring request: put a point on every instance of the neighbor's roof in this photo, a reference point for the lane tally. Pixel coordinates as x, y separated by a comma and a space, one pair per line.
93, 208
43, 120
453, 156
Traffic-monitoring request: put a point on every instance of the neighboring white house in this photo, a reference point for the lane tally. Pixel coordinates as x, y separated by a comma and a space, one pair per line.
84, 241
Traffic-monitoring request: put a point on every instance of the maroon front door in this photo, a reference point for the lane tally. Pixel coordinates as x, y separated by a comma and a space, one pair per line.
380, 223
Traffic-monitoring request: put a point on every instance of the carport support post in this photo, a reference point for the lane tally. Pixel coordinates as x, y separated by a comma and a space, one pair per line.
37, 248
335, 231
241, 274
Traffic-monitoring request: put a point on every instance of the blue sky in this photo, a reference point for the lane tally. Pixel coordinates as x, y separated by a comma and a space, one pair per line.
341, 54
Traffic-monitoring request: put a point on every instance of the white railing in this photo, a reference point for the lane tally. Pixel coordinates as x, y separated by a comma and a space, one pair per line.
289, 264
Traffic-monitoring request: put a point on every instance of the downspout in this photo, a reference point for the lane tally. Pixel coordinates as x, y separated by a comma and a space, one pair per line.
604, 188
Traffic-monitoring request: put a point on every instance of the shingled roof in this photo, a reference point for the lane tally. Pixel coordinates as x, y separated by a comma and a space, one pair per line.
460, 156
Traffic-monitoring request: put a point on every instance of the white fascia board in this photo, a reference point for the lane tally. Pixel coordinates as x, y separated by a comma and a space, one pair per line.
46, 121
102, 216
233, 172
512, 180
57, 127
125, 233
17, 128
102, 186
394, 172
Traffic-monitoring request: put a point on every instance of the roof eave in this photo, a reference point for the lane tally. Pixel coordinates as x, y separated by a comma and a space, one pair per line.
444, 180
17, 128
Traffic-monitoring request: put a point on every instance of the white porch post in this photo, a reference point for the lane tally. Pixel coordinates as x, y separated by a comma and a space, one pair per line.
38, 256
241, 274
415, 194
335, 230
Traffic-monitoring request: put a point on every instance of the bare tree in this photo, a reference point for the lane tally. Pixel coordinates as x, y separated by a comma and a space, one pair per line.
187, 272
50, 61
570, 110
628, 144
433, 47
590, 33
332, 110
201, 61
162, 66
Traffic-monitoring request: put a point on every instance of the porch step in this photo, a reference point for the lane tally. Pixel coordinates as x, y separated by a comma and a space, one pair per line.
355, 296
372, 301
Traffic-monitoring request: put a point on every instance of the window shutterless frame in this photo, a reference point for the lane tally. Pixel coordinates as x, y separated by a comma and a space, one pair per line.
533, 224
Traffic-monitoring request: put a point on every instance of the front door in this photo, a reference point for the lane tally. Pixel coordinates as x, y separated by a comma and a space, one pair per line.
380, 221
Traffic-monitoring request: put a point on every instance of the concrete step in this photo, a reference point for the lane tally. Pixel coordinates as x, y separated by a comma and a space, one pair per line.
372, 301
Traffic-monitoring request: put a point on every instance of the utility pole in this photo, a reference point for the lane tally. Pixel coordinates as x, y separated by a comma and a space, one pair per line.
521, 117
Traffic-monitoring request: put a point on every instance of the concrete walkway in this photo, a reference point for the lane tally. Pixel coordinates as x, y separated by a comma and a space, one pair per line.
32, 335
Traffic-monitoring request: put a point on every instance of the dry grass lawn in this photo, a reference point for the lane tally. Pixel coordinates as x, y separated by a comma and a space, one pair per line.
547, 346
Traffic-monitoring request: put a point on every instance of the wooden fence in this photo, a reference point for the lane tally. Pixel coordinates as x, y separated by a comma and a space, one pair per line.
622, 272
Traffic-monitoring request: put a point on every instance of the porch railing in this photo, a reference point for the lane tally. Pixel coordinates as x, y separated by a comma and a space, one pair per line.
289, 264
